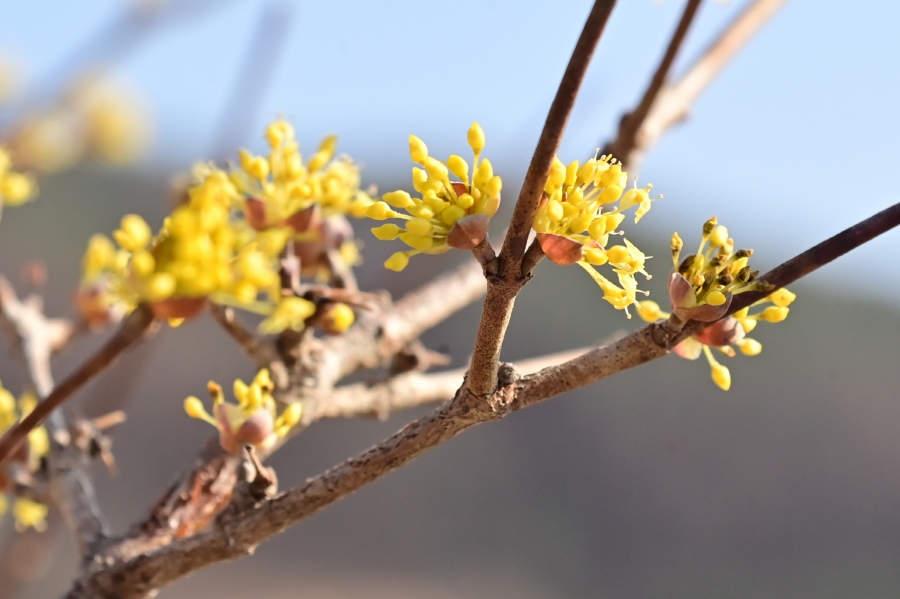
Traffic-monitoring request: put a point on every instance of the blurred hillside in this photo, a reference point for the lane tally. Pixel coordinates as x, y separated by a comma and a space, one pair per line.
651, 484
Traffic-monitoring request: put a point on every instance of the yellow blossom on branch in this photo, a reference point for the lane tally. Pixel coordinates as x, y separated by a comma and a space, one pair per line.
27, 513
15, 188
253, 420
278, 188
447, 213
702, 287
582, 205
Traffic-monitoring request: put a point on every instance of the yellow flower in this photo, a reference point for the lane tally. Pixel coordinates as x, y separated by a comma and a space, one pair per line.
701, 288
278, 187
290, 313
583, 204
446, 213
702, 285
252, 420
27, 513
15, 188
30, 514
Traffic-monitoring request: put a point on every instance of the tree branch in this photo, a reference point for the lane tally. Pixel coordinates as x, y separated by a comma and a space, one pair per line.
503, 288
409, 390
132, 329
551, 136
626, 138
674, 101
36, 337
375, 339
239, 533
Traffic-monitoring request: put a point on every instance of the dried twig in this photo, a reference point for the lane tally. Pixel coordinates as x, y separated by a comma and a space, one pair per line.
674, 101
631, 122
131, 329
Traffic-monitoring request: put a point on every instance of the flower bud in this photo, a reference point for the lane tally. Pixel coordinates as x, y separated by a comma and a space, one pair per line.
560, 250
468, 232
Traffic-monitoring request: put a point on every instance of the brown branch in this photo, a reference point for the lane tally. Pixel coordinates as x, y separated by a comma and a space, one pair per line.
240, 532
674, 101
551, 136
37, 337
409, 390
503, 288
533, 255
821, 254
375, 339
132, 329
631, 122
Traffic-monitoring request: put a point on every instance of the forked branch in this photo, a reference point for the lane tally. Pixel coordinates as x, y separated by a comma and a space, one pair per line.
130, 331
239, 533
503, 288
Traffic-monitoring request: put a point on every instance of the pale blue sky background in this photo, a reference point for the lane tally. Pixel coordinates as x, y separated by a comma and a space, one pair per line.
794, 142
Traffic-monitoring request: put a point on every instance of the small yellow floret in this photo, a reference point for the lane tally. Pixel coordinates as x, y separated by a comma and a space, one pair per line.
782, 298
649, 311
418, 151
750, 347
476, 138
721, 376
29, 514
134, 233
397, 262
340, 317
774, 314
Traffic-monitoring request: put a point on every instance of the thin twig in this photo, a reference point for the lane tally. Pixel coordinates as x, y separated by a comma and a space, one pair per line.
36, 337
374, 340
410, 390
132, 329
675, 100
503, 288
551, 136
506, 284
631, 122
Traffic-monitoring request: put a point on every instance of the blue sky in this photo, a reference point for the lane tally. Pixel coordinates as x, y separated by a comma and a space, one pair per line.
794, 142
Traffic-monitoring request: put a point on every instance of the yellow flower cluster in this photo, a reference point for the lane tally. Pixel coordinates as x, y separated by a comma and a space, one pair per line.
95, 117
199, 252
701, 288
252, 420
703, 283
15, 188
583, 205
226, 239
278, 187
27, 513
448, 213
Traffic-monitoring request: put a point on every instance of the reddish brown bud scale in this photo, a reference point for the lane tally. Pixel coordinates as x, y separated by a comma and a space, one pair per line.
255, 213
468, 231
560, 250
256, 428
721, 333
178, 307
